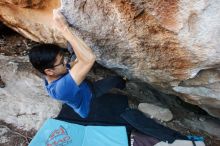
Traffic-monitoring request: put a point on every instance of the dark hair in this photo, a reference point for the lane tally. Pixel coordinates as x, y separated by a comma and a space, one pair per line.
43, 56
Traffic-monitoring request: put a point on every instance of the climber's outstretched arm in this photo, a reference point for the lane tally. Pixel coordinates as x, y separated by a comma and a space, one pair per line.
85, 56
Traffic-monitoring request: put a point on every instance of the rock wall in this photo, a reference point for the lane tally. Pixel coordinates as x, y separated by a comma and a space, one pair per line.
25, 3
168, 44
31, 22
23, 101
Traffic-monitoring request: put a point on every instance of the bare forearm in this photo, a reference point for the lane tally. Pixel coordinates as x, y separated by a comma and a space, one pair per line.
82, 51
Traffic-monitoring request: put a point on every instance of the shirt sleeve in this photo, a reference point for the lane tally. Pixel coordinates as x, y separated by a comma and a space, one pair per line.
67, 89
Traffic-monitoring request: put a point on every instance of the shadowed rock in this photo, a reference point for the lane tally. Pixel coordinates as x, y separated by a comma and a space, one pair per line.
2, 84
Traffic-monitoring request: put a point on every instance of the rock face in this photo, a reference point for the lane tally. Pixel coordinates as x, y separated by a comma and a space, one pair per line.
172, 45
24, 101
26, 3
31, 18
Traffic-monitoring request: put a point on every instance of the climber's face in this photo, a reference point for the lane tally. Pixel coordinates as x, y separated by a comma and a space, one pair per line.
60, 64
59, 67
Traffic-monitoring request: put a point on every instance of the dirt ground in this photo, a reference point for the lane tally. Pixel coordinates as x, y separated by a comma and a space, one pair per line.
13, 44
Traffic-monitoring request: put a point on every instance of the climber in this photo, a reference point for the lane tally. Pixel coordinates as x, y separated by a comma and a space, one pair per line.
66, 81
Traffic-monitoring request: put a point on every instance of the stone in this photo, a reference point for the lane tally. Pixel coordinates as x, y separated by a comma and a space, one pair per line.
25, 3
31, 18
163, 43
203, 90
156, 112
24, 101
209, 125
3, 137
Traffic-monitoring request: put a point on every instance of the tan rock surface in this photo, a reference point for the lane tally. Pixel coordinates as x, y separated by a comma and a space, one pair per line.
33, 23
25, 3
164, 43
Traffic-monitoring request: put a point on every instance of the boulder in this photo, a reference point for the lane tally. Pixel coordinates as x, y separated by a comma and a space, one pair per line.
156, 112
24, 101
167, 44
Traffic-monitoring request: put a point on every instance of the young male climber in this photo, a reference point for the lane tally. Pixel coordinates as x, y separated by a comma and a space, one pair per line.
66, 82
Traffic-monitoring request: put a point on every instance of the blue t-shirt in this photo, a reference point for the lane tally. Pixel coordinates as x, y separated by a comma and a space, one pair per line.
66, 90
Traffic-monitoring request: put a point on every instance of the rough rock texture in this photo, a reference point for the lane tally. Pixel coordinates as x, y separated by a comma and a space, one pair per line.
159, 113
25, 3
32, 22
3, 132
168, 44
24, 101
